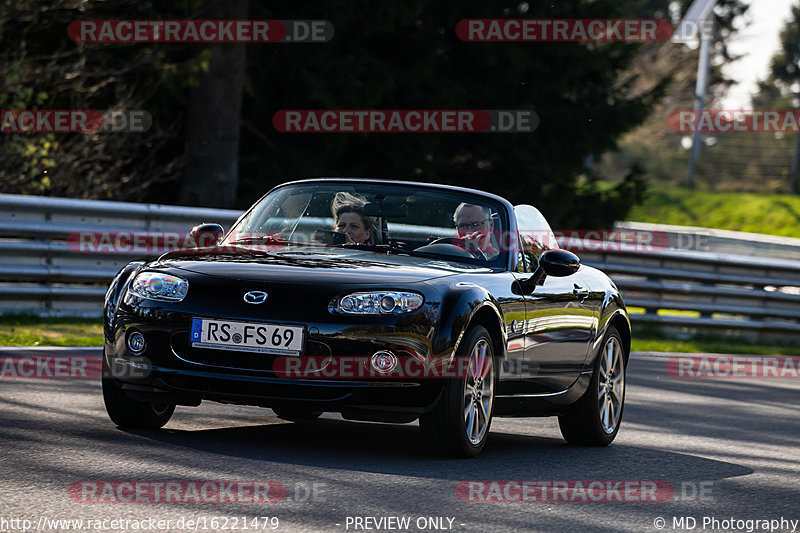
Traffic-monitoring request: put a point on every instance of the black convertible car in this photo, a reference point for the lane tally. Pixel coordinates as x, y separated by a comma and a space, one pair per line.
380, 300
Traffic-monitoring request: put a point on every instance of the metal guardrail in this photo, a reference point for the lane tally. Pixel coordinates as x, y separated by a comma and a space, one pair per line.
691, 292
40, 273
678, 290
721, 241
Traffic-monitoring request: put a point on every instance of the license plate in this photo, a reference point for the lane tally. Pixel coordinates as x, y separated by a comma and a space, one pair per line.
277, 339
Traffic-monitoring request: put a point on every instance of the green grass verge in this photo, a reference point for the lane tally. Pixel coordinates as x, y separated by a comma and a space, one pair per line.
710, 346
24, 330
773, 214
650, 339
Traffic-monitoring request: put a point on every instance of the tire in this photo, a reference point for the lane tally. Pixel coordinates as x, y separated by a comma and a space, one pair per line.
294, 414
459, 424
594, 420
129, 413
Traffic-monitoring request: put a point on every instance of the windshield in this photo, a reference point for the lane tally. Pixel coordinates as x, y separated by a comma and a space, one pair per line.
398, 219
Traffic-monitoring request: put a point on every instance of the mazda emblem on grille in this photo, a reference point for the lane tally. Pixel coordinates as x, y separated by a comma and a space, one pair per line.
255, 297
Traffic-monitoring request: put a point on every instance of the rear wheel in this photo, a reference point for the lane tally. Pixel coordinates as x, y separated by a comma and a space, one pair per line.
459, 425
294, 414
126, 412
594, 420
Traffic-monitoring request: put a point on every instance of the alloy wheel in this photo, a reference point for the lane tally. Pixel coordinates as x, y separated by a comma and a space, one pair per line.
611, 385
478, 392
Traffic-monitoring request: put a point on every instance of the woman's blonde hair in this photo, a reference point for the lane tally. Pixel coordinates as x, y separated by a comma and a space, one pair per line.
345, 202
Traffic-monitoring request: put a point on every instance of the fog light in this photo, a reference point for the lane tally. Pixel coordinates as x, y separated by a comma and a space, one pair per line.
136, 344
384, 362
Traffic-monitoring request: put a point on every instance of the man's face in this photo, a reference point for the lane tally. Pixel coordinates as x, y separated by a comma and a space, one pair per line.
472, 219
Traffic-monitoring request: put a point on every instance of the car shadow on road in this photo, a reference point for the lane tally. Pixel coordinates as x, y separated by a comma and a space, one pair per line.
400, 449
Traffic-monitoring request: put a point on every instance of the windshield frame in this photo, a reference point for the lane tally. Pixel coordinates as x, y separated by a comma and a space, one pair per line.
504, 209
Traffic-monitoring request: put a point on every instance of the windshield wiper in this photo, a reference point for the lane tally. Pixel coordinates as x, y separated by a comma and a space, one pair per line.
273, 240
265, 239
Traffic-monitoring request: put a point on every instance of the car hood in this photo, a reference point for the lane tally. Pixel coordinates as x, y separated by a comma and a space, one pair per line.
324, 265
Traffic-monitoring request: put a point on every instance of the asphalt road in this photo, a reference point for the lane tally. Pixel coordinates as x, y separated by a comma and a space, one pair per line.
715, 448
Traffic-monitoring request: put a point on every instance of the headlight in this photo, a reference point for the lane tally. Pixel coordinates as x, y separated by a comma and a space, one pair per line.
378, 303
160, 286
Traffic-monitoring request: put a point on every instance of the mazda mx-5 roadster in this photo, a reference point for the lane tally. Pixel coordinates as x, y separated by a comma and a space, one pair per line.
380, 300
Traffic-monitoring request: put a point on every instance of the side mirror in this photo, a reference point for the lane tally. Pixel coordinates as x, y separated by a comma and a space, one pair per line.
559, 263
556, 263
206, 235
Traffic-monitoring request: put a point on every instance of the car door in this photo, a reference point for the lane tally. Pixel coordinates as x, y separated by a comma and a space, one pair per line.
512, 302
558, 316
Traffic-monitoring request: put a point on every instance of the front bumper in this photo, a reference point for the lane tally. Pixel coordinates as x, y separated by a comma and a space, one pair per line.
170, 370
190, 387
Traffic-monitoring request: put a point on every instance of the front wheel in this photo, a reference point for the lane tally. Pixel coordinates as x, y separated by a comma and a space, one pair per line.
594, 420
459, 424
126, 412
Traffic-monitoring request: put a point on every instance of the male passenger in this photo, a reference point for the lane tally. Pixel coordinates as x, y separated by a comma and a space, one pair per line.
475, 225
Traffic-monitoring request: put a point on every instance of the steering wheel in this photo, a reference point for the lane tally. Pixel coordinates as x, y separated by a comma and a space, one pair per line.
461, 242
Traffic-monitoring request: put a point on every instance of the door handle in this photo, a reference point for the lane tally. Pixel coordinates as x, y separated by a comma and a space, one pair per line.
580, 293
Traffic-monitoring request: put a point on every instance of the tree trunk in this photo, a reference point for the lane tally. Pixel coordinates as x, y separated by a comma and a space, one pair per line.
213, 119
